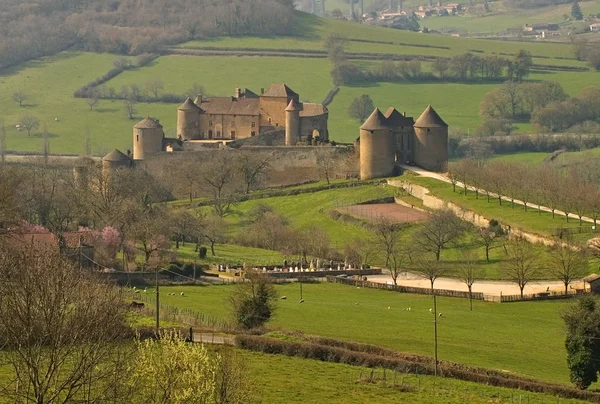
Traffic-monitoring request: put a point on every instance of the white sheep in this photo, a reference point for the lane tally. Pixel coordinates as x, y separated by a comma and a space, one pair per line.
301, 301
18, 126
181, 294
283, 297
56, 119
389, 308
440, 314
431, 310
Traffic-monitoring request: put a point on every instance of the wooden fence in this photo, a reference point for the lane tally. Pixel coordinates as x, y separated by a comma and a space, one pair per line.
534, 296
404, 289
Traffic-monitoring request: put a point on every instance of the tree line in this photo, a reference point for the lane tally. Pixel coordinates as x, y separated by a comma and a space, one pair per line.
576, 191
31, 29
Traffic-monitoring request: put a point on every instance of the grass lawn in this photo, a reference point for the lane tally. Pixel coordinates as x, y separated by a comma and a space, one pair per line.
526, 338
232, 255
531, 220
539, 157
278, 379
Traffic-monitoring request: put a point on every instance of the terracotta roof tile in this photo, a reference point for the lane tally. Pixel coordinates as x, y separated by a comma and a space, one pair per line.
376, 121
230, 106
188, 105
292, 106
310, 109
396, 119
279, 90
148, 123
430, 119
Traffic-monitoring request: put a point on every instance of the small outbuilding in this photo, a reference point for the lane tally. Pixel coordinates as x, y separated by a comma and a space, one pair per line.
594, 282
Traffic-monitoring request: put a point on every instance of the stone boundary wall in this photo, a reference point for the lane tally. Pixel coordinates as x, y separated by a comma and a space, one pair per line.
433, 202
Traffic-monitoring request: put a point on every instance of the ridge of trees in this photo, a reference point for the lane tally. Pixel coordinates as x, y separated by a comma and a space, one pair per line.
30, 29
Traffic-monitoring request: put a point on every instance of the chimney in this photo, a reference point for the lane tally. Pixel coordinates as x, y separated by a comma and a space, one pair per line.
262, 91
237, 93
404, 113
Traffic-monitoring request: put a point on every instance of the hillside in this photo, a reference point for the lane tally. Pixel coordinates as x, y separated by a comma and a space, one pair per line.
50, 82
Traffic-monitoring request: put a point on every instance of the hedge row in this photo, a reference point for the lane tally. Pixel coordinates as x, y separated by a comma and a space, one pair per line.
342, 353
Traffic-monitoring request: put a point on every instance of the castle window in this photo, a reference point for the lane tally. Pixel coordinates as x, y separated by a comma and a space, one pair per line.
270, 121
210, 134
253, 133
209, 123
137, 138
428, 130
232, 134
253, 124
218, 134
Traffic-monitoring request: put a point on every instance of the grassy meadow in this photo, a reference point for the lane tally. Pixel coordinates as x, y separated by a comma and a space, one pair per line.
525, 337
50, 83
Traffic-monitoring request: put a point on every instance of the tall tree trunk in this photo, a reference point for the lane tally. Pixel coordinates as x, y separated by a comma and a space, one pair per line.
470, 298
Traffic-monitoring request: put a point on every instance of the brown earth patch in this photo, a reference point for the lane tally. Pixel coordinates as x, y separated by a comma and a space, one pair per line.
392, 211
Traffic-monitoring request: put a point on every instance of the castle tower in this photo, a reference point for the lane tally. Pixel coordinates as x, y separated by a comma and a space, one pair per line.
431, 141
148, 138
292, 124
377, 148
188, 120
114, 160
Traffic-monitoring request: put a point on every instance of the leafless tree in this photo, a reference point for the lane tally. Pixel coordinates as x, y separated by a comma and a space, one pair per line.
359, 252
469, 272
184, 225
442, 228
428, 267
232, 385
521, 263
19, 97
129, 107
253, 167
214, 230
568, 262
92, 98
327, 163
195, 91
64, 328
399, 259
30, 123
488, 237
387, 236
155, 86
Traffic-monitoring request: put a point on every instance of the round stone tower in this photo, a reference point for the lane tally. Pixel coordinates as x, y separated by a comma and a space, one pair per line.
377, 148
114, 160
292, 124
148, 138
188, 120
431, 138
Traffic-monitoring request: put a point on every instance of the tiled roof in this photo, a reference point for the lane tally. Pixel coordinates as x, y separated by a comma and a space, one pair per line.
376, 121
188, 105
430, 119
279, 90
148, 123
116, 156
310, 109
292, 106
230, 106
396, 119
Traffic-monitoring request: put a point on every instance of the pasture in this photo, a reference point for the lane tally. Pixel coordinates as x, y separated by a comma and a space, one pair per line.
526, 338
50, 83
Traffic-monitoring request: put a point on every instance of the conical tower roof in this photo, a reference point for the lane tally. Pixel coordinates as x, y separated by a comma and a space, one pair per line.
292, 106
116, 156
430, 119
148, 123
376, 121
188, 105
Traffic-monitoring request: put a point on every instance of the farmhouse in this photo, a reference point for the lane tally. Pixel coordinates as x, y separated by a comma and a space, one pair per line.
595, 27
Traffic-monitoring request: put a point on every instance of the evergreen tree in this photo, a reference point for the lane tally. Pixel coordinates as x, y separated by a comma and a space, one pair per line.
576, 11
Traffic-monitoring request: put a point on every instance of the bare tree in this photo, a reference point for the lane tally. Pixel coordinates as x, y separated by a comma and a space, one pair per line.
129, 107
387, 237
488, 237
92, 98
155, 86
399, 258
326, 163
469, 272
254, 168
19, 97
64, 328
30, 123
183, 225
568, 263
521, 264
429, 268
214, 230
359, 252
442, 228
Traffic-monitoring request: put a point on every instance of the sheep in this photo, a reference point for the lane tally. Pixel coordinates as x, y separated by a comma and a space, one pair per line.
55, 119
283, 297
18, 126
301, 301
409, 309
431, 310
440, 314
389, 308
356, 304
181, 294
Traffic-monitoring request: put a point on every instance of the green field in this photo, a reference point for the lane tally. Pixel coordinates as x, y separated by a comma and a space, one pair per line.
278, 379
50, 83
539, 157
526, 338
530, 220
501, 18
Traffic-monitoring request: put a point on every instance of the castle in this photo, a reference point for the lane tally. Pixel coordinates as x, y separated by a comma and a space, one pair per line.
386, 139
243, 115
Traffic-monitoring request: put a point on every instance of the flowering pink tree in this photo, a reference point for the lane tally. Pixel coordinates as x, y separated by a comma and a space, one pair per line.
111, 240
28, 228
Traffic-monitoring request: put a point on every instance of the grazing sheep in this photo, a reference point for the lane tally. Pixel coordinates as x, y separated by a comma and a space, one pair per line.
181, 294
409, 309
283, 297
356, 304
389, 308
56, 119
440, 314
431, 310
301, 301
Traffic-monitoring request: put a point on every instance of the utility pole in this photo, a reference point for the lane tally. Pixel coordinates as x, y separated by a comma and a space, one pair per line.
435, 335
158, 305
